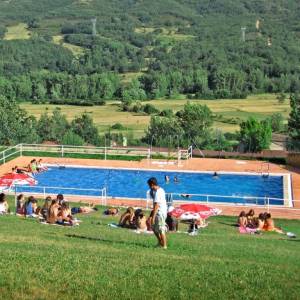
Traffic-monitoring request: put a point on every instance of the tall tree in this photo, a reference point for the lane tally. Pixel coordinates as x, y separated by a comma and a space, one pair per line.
164, 131
196, 121
86, 129
16, 125
255, 136
294, 122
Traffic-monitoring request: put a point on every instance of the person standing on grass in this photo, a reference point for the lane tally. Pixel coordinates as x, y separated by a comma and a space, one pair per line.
159, 213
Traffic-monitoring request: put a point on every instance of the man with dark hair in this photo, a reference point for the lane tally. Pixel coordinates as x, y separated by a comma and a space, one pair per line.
159, 213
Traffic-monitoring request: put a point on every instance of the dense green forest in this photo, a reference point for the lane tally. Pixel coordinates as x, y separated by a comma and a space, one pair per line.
172, 47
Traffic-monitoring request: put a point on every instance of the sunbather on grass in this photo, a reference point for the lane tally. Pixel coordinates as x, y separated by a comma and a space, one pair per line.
21, 204
242, 220
112, 211
270, 225
260, 222
171, 222
140, 221
64, 215
52, 217
4, 208
31, 207
60, 198
127, 218
250, 219
45, 209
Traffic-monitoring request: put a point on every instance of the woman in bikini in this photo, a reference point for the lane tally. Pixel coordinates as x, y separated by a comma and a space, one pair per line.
250, 219
21, 205
141, 221
127, 219
242, 220
64, 215
260, 222
54, 208
270, 225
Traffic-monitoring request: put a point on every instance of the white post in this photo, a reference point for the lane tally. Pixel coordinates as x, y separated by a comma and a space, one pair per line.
268, 204
62, 151
207, 199
44, 191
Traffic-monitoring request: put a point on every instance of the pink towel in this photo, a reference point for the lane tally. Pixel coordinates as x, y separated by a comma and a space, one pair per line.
246, 230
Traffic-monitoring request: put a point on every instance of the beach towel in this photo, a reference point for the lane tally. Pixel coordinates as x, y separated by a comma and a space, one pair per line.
114, 225
247, 230
143, 231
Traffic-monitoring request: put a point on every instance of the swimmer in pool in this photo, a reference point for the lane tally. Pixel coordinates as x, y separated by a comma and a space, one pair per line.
215, 175
187, 196
176, 180
167, 179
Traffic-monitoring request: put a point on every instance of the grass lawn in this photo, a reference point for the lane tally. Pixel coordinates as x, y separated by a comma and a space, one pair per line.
260, 106
94, 261
17, 32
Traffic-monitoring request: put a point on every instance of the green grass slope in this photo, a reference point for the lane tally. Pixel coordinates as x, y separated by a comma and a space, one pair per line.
94, 261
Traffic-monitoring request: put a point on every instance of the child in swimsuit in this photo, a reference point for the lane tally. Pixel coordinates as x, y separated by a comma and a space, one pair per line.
270, 225
242, 220
127, 219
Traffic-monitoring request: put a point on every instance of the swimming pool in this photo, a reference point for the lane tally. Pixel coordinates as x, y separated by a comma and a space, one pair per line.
131, 183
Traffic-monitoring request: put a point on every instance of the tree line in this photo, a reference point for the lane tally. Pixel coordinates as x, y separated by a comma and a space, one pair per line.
190, 126
17, 126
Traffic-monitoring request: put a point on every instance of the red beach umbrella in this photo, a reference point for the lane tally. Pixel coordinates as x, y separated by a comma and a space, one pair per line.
194, 212
11, 179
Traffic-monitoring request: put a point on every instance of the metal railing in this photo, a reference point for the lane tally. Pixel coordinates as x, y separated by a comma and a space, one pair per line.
9, 153
68, 192
231, 200
62, 150
87, 150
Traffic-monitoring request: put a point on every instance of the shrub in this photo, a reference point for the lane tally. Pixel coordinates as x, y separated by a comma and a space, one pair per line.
118, 126
150, 109
72, 139
167, 113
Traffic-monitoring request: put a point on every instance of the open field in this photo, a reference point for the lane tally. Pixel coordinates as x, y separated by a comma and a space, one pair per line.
17, 32
76, 50
165, 33
260, 106
94, 261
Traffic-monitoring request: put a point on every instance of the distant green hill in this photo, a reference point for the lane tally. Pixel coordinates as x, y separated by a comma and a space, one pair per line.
190, 47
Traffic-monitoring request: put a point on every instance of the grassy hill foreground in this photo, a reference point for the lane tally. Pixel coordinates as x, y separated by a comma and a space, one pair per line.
95, 261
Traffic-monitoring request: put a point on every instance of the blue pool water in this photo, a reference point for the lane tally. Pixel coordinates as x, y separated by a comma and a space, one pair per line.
133, 184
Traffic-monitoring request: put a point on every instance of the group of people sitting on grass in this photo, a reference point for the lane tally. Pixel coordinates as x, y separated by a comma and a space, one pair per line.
248, 223
137, 219
34, 167
53, 211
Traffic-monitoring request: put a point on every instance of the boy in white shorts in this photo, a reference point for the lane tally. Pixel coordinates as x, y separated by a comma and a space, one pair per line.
159, 213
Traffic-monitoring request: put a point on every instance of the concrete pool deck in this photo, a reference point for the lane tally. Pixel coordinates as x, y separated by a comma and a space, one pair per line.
195, 164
